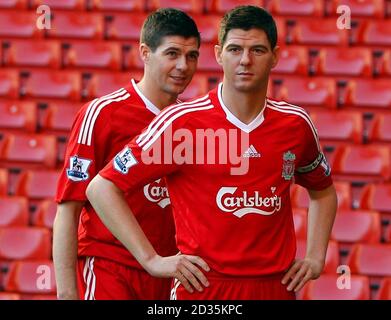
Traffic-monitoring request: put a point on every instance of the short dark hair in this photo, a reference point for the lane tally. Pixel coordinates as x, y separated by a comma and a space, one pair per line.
246, 18
167, 22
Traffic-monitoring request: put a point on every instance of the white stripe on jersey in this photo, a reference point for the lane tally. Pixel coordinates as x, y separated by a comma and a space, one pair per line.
297, 111
164, 113
173, 295
101, 106
89, 110
93, 110
169, 121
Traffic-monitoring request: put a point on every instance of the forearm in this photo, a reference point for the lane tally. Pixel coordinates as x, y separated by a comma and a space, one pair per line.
110, 204
65, 250
321, 215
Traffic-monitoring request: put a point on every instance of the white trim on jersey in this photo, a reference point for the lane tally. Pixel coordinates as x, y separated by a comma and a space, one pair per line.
258, 120
95, 107
292, 109
150, 106
163, 115
169, 121
89, 278
173, 295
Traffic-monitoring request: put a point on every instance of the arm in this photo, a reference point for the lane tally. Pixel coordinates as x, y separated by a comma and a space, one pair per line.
321, 214
65, 248
112, 208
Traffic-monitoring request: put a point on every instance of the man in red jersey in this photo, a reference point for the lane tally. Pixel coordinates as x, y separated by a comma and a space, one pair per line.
241, 224
105, 269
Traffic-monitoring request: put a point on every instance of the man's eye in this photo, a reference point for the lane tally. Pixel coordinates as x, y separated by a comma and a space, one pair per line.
172, 53
234, 49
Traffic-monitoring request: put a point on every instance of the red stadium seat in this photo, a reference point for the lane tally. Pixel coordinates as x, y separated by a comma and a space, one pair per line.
222, 6
46, 212
18, 243
357, 226
326, 288
37, 184
3, 182
61, 4
13, 4
371, 162
105, 83
33, 54
208, 26
309, 91
339, 125
381, 129
53, 84
376, 197
59, 116
21, 24
197, 87
119, 5
31, 277
14, 211
29, 150
376, 32
300, 222
384, 292
9, 296
369, 93
79, 26
370, 259
325, 33
332, 256
192, 6
312, 8
18, 115
126, 26
9, 83
93, 55
293, 60
300, 198
345, 61
207, 59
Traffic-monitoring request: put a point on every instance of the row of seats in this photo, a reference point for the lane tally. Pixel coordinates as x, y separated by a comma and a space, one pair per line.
306, 31
364, 8
30, 242
341, 125
371, 162
317, 91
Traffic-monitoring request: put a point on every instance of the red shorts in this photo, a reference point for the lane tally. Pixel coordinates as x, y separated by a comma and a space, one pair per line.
236, 288
101, 279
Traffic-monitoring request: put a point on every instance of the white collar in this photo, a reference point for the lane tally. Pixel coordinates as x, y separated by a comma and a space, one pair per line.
234, 120
150, 106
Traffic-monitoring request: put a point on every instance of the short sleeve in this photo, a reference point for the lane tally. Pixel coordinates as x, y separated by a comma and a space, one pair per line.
313, 171
140, 162
83, 157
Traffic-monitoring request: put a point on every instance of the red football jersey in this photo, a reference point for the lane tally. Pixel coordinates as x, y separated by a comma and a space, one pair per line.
241, 224
101, 129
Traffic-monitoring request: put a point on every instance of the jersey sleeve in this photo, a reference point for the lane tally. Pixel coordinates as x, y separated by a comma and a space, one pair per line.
143, 160
313, 171
83, 156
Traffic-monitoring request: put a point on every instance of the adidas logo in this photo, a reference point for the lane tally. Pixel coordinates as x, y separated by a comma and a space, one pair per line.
251, 153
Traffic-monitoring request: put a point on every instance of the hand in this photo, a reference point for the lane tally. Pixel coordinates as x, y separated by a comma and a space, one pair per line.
69, 295
301, 272
183, 267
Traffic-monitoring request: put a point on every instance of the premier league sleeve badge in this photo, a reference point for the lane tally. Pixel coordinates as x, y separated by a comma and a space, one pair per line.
78, 169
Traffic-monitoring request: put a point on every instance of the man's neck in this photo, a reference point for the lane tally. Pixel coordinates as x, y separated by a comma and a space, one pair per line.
245, 106
159, 98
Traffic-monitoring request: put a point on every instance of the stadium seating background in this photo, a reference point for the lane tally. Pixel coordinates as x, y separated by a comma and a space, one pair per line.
342, 77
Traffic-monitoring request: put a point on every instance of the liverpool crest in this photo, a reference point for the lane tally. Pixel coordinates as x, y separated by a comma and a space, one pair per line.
288, 166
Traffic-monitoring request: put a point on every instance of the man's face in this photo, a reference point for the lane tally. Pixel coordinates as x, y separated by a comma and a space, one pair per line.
247, 59
173, 63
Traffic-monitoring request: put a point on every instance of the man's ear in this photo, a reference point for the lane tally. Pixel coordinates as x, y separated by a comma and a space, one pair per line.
144, 52
276, 56
218, 51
